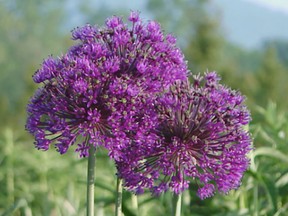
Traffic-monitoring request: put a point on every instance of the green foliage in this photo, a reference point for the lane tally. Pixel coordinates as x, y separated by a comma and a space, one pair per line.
281, 48
197, 28
269, 161
271, 79
47, 183
28, 34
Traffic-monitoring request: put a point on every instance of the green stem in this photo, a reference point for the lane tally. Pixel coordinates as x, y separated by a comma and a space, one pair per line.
134, 203
118, 208
255, 200
176, 207
90, 180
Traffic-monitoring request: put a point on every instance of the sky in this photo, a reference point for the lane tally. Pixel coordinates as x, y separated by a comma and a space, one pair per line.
249, 23
277, 5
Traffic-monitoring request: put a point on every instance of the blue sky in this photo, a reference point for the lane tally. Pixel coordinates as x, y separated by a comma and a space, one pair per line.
277, 5
250, 22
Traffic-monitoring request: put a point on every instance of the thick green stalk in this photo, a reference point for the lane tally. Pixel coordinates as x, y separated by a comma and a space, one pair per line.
255, 199
176, 207
118, 208
134, 203
91, 180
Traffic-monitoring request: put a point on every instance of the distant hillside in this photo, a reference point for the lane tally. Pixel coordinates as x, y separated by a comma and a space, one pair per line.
249, 24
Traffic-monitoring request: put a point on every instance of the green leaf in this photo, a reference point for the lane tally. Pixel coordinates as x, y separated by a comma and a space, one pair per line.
127, 211
18, 204
105, 187
148, 200
271, 192
106, 201
269, 187
267, 137
282, 181
271, 152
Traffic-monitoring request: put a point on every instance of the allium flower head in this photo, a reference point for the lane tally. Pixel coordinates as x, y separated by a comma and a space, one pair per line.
95, 91
199, 138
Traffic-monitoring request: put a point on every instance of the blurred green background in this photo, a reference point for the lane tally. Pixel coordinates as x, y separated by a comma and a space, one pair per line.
253, 61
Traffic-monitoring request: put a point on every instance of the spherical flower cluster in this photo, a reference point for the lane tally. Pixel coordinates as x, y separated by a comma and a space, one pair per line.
199, 137
125, 87
98, 91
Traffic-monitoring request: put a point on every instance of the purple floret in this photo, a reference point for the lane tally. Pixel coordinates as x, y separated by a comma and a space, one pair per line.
102, 90
199, 137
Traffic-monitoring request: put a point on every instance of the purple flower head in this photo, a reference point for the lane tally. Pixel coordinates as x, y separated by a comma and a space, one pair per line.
134, 16
199, 137
98, 91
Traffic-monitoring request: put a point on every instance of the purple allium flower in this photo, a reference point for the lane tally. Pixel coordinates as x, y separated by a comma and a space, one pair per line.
199, 138
97, 92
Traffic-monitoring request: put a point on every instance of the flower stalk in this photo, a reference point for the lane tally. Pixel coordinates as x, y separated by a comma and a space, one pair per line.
176, 204
119, 191
91, 180
134, 203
